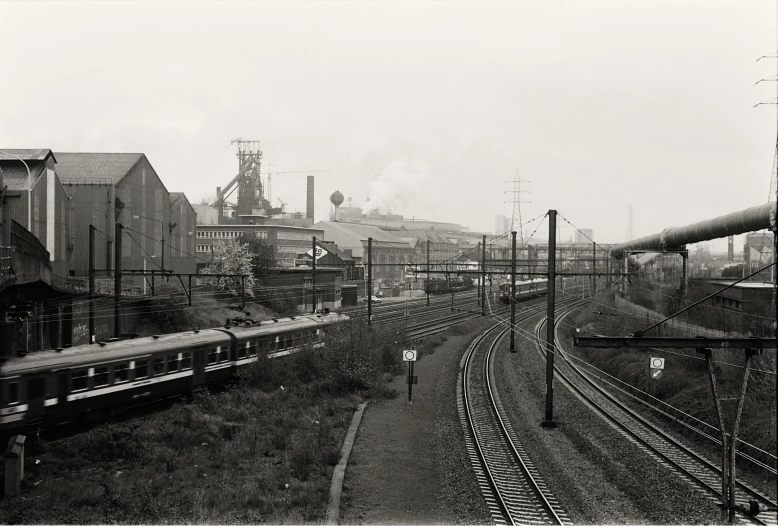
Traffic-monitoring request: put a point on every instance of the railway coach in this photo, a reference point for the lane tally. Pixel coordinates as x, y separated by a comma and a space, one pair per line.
524, 289
44, 388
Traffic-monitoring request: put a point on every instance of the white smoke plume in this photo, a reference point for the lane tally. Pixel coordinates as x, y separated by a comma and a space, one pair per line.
396, 188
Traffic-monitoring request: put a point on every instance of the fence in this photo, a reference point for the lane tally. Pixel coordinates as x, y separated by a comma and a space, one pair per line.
6, 271
671, 327
26, 243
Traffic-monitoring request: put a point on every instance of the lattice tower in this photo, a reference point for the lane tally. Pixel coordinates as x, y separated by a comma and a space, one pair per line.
516, 201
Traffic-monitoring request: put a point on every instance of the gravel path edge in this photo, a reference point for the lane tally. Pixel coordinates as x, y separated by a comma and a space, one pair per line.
336, 486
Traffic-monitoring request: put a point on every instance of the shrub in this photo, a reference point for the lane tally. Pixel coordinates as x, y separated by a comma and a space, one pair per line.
170, 308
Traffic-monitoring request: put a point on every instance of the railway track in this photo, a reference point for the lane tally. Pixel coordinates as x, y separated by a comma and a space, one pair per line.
656, 442
513, 489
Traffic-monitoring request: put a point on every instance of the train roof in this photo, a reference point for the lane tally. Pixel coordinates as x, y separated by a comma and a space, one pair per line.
86, 355
277, 325
526, 281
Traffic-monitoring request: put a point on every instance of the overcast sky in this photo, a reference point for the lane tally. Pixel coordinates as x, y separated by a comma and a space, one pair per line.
429, 107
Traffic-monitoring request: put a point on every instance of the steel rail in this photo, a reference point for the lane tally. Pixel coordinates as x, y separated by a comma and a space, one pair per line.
497, 408
643, 441
507, 498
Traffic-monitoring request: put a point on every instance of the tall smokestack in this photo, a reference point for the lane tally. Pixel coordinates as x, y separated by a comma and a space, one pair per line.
309, 202
731, 249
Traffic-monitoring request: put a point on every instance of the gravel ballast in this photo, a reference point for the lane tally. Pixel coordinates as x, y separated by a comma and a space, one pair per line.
409, 464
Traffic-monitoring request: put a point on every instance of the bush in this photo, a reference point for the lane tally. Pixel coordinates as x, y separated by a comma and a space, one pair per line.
170, 308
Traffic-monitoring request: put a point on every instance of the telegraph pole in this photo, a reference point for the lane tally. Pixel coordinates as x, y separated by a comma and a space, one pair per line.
370, 280
548, 421
594, 270
313, 275
480, 282
91, 284
428, 273
483, 276
117, 280
513, 290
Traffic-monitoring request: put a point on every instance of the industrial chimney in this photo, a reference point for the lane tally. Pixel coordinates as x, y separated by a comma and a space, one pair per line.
336, 199
309, 202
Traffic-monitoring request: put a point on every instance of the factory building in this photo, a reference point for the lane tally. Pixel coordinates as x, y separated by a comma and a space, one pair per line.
502, 224
584, 235
390, 253
183, 227
288, 241
758, 253
123, 187
45, 211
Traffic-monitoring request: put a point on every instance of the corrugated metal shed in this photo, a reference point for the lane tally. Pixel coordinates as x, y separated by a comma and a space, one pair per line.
15, 174
75, 167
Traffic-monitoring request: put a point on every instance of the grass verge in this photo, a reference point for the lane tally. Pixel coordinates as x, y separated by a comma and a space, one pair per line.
260, 450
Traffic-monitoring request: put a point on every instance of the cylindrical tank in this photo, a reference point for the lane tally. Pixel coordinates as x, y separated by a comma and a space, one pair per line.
336, 199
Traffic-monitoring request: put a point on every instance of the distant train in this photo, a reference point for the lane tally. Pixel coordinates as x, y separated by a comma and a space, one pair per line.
443, 286
524, 289
44, 388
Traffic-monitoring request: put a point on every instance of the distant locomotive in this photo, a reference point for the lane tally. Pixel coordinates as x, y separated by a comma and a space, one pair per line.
44, 388
443, 286
524, 289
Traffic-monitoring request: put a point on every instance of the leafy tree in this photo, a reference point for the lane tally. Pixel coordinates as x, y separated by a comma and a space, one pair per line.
733, 271
231, 257
262, 254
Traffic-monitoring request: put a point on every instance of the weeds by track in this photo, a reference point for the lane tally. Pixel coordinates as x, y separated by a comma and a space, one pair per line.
657, 443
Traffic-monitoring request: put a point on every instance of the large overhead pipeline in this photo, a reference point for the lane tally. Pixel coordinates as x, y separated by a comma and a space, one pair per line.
748, 220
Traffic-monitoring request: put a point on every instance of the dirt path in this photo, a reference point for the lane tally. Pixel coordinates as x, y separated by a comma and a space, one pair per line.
397, 473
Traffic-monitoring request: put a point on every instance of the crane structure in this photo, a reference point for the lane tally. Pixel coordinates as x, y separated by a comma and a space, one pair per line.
251, 200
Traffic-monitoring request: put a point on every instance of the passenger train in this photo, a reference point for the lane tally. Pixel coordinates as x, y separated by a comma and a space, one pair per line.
44, 388
524, 289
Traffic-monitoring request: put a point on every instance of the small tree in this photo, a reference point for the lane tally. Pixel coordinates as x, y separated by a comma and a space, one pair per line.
262, 254
231, 257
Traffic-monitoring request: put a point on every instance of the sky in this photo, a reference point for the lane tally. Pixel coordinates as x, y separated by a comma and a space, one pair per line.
428, 108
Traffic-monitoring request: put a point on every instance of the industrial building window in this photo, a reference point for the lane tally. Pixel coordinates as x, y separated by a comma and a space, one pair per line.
101, 376
79, 380
141, 369
121, 373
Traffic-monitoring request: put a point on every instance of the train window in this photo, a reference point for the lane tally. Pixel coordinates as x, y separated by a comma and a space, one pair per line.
13, 393
213, 356
225, 355
172, 363
36, 388
252, 348
79, 380
158, 366
243, 350
141, 369
186, 360
121, 373
101, 377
